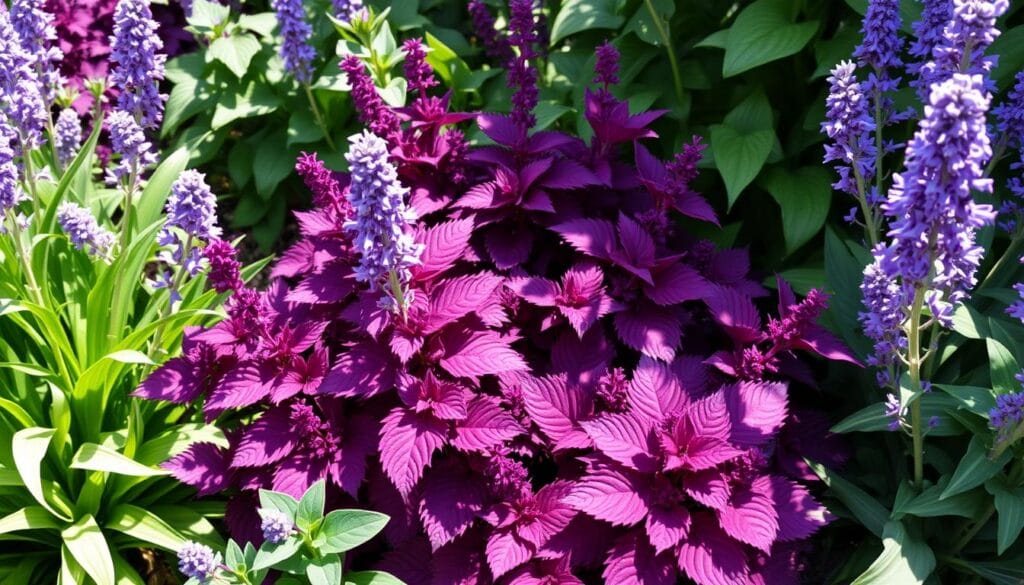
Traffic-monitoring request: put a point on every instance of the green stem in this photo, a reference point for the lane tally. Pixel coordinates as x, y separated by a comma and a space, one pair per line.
879, 143
176, 283
35, 292
659, 27
914, 371
318, 117
30, 179
869, 214
1012, 251
125, 239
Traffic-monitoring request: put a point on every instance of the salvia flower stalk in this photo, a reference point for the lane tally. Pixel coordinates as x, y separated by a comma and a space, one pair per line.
67, 135
138, 64
296, 51
34, 26
84, 231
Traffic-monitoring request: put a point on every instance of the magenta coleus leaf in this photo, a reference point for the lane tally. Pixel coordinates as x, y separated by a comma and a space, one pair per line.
632, 561
557, 407
709, 557
749, 516
486, 426
408, 440
452, 499
470, 353
610, 494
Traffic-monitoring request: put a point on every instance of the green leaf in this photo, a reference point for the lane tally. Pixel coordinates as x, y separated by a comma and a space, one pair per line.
271, 164
235, 51
1003, 367
256, 99
372, 578
270, 500
325, 570
715, 40
1008, 572
270, 554
344, 530
905, 559
643, 23
872, 418
865, 508
739, 157
576, 16
28, 518
85, 541
970, 323
752, 114
805, 196
207, 15
302, 128
311, 507
150, 205
176, 440
975, 468
262, 23
548, 113
763, 33
145, 526
931, 503
29, 448
102, 458
973, 398
1010, 508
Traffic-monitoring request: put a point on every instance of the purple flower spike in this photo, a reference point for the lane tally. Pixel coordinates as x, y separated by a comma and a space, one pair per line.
495, 44
522, 75
192, 209
1008, 412
138, 64
881, 45
276, 526
295, 32
128, 140
372, 110
198, 561
935, 15
1010, 114
850, 126
418, 72
381, 221
10, 191
969, 33
224, 274
84, 231
349, 10
606, 68
67, 135
35, 28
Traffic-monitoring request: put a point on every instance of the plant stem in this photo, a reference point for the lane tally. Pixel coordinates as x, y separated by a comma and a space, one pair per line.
659, 27
914, 371
30, 178
176, 283
1012, 251
869, 214
35, 292
318, 117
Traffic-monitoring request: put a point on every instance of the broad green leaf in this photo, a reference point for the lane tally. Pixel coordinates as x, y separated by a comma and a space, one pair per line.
302, 128
85, 541
343, 530
71, 573
28, 518
581, 15
931, 503
804, 196
865, 508
325, 570
256, 99
394, 92
130, 356
207, 15
969, 323
1009, 504
29, 448
187, 98
189, 523
145, 526
235, 51
176, 440
448, 65
1003, 367
716, 40
102, 458
15, 410
975, 399
547, 113
278, 501
739, 157
645, 26
262, 23
752, 114
372, 578
975, 468
271, 164
762, 33
872, 418
270, 554
1008, 572
311, 507
905, 559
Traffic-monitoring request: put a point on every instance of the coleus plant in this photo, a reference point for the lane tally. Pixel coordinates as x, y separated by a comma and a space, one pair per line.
512, 351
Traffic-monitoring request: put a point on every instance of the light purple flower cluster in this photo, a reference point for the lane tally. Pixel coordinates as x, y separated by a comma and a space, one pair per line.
198, 561
129, 141
381, 219
84, 231
893, 411
67, 135
295, 32
522, 76
19, 90
10, 191
495, 44
276, 526
850, 128
35, 28
935, 15
881, 45
138, 63
969, 33
349, 10
1008, 412
418, 72
192, 209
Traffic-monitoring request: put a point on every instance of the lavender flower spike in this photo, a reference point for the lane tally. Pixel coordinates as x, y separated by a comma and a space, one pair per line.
882, 44
192, 209
84, 231
522, 75
850, 127
935, 15
67, 135
138, 65
128, 140
198, 561
349, 10
35, 28
10, 191
380, 221
969, 33
933, 215
295, 32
